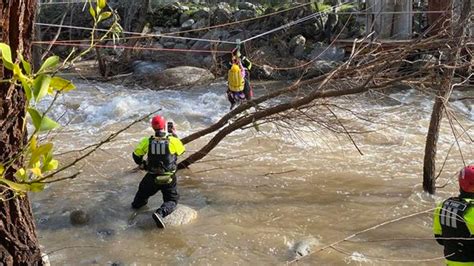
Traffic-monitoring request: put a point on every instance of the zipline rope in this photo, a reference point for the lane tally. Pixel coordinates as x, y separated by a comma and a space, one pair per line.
134, 47
210, 27
137, 33
289, 24
196, 39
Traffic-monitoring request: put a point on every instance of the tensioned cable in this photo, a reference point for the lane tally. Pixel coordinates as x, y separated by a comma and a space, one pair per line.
201, 29
60, 3
289, 24
195, 39
226, 24
135, 47
137, 33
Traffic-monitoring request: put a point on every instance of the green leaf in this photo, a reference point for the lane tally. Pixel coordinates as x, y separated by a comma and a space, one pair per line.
101, 3
44, 124
6, 56
15, 186
17, 70
20, 174
61, 84
52, 165
36, 154
36, 171
49, 63
2, 169
25, 65
26, 87
37, 187
105, 15
40, 86
92, 11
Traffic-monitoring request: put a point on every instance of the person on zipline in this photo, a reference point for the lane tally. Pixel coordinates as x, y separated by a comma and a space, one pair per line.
239, 88
453, 223
162, 150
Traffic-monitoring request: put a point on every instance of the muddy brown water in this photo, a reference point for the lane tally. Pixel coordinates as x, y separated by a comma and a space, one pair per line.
256, 194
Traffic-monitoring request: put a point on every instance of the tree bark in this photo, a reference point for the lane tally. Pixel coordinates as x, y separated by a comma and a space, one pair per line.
18, 241
442, 97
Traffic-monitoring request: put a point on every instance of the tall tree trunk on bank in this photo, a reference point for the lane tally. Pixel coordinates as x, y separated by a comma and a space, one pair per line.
18, 240
442, 98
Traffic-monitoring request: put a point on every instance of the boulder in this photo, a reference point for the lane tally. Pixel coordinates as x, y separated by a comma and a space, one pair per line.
168, 43
187, 24
215, 34
247, 6
183, 18
297, 45
263, 72
181, 216
181, 76
320, 67
141, 68
180, 46
244, 14
222, 14
204, 12
331, 53
79, 217
151, 53
283, 48
199, 24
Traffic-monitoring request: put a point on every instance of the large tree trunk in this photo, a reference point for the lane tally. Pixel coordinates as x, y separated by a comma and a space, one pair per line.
18, 240
442, 98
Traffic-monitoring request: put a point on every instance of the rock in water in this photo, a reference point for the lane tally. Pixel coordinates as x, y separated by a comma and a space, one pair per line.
182, 215
303, 247
79, 217
182, 76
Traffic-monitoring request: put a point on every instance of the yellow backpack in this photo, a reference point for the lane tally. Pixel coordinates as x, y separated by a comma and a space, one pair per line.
235, 79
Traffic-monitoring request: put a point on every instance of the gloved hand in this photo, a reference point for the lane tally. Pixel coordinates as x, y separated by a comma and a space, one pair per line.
142, 166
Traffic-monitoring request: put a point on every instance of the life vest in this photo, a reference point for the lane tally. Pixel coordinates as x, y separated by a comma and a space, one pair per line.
453, 225
160, 161
235, 78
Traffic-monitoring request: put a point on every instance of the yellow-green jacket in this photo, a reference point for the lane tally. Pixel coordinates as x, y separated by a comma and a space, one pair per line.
161, 154
453, 227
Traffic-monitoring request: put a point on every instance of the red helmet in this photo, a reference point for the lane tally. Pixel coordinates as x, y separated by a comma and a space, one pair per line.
158, 122
466, 179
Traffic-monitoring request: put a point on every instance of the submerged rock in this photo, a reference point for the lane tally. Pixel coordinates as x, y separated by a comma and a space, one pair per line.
303, 247
79, 217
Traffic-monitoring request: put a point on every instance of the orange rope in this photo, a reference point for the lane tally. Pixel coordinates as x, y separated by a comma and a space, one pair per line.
195, 30
132, 47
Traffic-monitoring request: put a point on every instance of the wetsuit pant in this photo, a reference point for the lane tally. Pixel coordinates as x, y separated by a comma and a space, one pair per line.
247, 89
148, 187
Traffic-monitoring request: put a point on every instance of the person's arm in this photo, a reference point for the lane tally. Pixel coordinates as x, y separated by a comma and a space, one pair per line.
246, 63
140, 150
437, 230
469, 218
176, 146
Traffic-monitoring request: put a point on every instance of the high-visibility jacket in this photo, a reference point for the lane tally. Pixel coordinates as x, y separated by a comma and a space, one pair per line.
453, 227
161, 154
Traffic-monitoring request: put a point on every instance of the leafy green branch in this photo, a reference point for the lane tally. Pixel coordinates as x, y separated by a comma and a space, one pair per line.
36, 157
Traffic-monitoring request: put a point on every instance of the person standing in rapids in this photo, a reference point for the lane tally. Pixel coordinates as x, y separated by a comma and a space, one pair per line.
161, 150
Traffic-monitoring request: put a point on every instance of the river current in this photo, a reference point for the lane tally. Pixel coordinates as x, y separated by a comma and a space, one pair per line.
259, 192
